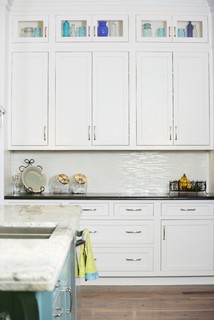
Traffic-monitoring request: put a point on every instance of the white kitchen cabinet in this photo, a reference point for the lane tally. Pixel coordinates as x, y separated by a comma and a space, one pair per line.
29, 28
84, 28
99, 117
187, 246
29, 99
173, 99
166, 28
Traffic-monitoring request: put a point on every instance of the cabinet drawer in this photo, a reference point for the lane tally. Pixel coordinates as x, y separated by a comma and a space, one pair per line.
124, 259
184, 209
139, 232
94, 210
133, 210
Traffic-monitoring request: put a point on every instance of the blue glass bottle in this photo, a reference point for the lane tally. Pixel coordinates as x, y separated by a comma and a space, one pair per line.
190, 29
102, 30
66, 29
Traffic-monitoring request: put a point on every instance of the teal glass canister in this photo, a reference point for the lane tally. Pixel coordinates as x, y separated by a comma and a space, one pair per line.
102, 30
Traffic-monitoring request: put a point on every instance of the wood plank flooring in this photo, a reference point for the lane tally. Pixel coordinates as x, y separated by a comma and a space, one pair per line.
146, 303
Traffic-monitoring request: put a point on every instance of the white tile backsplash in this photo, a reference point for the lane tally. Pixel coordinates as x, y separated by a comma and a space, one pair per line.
121, 171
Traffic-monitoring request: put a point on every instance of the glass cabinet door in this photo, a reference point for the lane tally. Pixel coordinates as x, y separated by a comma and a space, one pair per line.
171, 29
102, 28
110, 28
73, 28
29, 29
190, 29
153, 28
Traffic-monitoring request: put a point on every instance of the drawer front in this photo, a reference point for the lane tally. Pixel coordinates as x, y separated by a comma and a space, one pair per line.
184, 209
124, 259
111, 232
94, 210
130, 209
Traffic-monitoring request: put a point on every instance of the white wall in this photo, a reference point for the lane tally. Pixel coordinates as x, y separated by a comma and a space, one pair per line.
121, 171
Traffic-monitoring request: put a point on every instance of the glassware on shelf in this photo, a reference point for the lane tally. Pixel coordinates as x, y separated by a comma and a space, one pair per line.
37, 32
195, 31
102, 30
66, 29
82, 32
28, 32
181, 33
161, 32
190, 28
73, 30
147, 30
113, 29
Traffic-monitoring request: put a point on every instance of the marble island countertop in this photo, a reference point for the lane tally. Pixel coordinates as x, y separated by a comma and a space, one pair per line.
35, 264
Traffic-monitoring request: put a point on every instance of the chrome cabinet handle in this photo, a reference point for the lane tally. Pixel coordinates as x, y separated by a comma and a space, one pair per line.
88, 209
137, 259
130, 231
137, 209
92, 231
95, 137
89, 133
45, 32
169, 31
164, 232
69, 290
176, 134
175, 32
170, 133
94, 31
45, 135
58, 314
188, 209
89, 31
2, 113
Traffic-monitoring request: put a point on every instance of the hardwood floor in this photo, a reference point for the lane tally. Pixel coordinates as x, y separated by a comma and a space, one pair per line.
146, 303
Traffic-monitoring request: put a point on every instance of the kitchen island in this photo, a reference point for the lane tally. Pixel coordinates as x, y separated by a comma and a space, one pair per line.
37, 259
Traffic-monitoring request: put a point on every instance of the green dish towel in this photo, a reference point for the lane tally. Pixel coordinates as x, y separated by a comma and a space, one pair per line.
85, 264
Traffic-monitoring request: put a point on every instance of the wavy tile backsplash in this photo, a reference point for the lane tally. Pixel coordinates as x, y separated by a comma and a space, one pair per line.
121, 171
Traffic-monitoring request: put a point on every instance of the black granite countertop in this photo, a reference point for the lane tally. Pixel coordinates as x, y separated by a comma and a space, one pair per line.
110, 196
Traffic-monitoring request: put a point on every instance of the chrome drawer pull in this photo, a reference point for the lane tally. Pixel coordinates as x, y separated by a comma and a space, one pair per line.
138, 209
130, 231
189, 209
93, 231
87, 209
137, 259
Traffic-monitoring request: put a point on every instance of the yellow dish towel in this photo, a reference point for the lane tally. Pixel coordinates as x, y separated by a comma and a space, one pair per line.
85, 265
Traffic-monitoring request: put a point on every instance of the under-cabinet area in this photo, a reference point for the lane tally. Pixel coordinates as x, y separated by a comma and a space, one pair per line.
148, 240
83, 81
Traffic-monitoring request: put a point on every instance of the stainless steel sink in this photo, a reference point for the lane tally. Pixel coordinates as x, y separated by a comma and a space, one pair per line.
15, 232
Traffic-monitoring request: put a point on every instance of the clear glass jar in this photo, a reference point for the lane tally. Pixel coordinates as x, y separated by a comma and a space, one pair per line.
78, 183
28, 32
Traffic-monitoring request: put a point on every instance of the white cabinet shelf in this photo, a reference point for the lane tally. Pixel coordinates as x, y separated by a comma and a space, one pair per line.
171, 28
85, 28
30, 29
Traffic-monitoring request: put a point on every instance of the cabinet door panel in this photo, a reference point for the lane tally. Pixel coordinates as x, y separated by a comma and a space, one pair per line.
73, 99
154, 99
191, 98
29, 98
110, 104
187, 245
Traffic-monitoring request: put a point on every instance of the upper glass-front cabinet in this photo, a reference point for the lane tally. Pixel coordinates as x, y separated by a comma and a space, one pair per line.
104, 28
167, 28
30, 29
